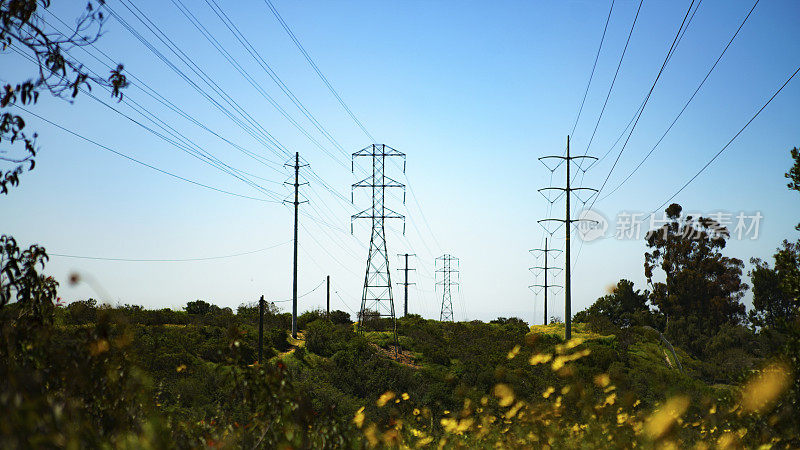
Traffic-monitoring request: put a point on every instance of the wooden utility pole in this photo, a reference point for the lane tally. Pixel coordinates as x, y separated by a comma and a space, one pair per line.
260, 329
328, 297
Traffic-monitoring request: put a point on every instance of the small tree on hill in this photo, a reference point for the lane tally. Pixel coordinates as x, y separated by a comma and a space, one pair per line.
625, 306
198, 307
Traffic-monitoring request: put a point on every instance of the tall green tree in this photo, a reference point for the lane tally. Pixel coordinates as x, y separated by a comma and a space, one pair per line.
776, 291
794, 174
700, 281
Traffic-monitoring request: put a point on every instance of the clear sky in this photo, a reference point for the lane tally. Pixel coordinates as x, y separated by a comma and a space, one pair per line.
472, 92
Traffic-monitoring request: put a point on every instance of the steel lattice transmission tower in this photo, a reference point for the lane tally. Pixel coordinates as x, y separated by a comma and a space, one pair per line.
377, 296
446, 267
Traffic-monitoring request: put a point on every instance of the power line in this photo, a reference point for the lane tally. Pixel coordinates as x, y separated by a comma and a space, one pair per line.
254, 129
196, 152
649, 93
299, 296
316, 69
104, 147
207, 258
594, 66
220, 13
155, 95
613, 81
686, 105
702, 169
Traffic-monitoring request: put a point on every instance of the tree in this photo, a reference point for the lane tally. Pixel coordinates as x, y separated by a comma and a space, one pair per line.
794, 174
776, 291
700, 281
21, 283
625, 306
24, 31
340, 317
198, 307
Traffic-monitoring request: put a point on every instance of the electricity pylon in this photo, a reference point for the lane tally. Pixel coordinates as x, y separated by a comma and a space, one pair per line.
296, 166
545, 287
405, 282
567, 221
377, 294
446, 270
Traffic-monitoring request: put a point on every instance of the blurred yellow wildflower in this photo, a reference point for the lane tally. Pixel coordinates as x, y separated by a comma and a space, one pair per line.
504, 393
761, 392
540, 358
660, 422
548, 391
358, 419
602, 380
384, 399
514, 351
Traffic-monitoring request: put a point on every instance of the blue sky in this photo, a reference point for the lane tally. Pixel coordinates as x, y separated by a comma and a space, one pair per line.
472, 92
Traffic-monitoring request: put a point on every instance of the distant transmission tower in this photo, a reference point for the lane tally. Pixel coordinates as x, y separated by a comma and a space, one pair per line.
567, 221
377, 296
405, 282
546, 269
444, 266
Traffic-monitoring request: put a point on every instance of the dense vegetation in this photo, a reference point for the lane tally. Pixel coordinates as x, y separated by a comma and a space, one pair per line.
679, 364
92, 375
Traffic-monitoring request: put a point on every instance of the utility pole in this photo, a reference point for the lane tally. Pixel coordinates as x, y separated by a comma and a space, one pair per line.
296, 203
260, 329
545, 287
328, 297
377, 296
567, 221
405, 283
446, 270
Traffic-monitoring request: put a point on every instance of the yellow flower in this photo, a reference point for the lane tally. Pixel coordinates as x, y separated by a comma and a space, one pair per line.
602, 380
760, 392
548, 391
541, 358
660, 422
424, 442
513, 352
358, 419
727, 440
180, 368
405, 396
416, 411
504, 393
513, 411
372, 435
572, 343
384, 399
